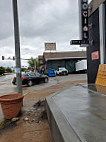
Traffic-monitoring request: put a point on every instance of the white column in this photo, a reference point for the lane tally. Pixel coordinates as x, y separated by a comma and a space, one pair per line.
80, 19
102, 32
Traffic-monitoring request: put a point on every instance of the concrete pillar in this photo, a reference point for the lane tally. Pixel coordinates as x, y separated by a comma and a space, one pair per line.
102, 32
80, 20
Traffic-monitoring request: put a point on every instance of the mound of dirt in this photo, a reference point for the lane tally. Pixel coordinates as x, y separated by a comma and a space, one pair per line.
37, 114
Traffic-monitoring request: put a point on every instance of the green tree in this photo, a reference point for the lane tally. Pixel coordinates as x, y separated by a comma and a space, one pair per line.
37, 63
8, 70
2, 70
32, 62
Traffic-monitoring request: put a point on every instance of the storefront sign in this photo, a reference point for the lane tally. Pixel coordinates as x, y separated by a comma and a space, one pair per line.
84, 18
84, 42
50, 46
95, 55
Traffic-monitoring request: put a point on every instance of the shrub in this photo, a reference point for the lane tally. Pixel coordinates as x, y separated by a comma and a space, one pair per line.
8, 70
2, 70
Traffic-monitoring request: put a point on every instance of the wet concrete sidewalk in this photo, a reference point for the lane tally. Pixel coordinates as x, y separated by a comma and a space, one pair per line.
78, 114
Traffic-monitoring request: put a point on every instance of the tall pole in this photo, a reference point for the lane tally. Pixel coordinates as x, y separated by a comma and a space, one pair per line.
102, 32
17, 47
80, 19
35, 65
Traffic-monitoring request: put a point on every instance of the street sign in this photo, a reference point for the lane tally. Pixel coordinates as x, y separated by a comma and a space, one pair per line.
79, 42
75, 42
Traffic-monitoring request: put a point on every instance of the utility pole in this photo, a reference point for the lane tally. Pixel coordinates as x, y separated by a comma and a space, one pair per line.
17, 47
35, 65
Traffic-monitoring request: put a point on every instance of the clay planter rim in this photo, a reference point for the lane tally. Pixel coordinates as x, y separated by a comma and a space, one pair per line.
19, 96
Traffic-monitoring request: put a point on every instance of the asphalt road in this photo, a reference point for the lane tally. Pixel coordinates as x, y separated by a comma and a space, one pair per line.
6, 86
6, 77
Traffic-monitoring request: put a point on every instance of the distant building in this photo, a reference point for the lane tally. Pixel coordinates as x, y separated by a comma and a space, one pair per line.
54, 60
41, 60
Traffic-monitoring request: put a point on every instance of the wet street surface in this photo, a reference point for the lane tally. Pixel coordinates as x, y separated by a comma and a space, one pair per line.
6, 86
6, 77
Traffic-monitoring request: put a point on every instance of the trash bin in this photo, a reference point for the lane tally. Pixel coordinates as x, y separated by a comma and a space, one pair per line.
51, 73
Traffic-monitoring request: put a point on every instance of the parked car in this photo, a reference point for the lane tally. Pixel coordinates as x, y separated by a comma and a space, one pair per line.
31, 78
62, 71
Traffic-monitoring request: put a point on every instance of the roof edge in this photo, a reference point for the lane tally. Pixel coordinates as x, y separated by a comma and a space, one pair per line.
93, 6
64, 51
47, 59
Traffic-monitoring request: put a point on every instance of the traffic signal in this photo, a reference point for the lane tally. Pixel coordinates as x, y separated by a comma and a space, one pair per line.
2, 57
13, 57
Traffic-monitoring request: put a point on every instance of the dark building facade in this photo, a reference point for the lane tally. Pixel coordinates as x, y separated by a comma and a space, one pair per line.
41, 60
93, 46
97, 38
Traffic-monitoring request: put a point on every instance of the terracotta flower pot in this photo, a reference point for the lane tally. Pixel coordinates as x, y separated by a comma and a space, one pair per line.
11, 105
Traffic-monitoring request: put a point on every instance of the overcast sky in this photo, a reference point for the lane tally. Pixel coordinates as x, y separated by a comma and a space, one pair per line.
40, 21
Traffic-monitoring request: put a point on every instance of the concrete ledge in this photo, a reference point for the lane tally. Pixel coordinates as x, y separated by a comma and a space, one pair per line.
61, 131
77, 114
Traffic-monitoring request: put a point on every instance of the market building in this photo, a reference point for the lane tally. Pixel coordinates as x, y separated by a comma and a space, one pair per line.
54, 60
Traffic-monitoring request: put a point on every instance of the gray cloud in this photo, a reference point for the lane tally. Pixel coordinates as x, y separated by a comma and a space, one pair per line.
6, 19
49, 19
39, 21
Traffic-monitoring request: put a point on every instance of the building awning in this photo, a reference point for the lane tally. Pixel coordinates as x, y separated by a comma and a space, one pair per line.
64, 58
